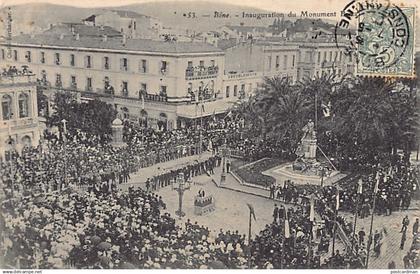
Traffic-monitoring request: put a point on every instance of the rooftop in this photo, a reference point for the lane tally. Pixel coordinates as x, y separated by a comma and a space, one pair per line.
82, 30
142, 45
128, 14
243, 29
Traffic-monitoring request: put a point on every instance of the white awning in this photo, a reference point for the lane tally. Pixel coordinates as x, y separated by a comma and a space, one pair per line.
203, 109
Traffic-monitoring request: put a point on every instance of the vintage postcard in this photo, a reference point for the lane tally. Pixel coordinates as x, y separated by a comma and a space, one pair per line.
218, 134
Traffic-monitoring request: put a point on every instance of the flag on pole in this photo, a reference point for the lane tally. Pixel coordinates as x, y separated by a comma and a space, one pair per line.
377, 184
360, 186
229, 114
337, 205
286, 229
251, 210
326, 109
312, 211
390, 171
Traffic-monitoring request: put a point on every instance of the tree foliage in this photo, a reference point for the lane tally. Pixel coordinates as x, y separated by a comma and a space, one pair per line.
368, 116
94, 116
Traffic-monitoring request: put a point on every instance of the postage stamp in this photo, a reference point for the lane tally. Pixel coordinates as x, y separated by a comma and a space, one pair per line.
381, 37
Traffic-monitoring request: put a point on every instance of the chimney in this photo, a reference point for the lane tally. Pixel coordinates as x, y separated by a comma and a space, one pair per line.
104, 38
77, 36
72, 29
61, 36
51, 25
124, 39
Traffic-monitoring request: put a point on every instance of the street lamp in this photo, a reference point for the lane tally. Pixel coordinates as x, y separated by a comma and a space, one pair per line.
64, 121
180, 185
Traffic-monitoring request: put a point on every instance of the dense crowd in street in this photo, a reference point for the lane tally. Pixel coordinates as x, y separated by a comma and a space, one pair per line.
54, 227
117, 230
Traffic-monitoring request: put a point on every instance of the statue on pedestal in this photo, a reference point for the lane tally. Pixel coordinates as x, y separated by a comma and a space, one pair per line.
309, 131
306, 151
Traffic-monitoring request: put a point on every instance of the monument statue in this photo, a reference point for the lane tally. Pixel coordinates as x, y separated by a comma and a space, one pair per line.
307, 147
309, 131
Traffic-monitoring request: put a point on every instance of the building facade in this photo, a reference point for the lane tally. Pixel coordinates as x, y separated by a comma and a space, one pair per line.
19, 125
318, 58
143, 79
166, 84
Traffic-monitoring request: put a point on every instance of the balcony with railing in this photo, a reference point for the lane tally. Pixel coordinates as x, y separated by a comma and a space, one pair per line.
13, 76
328, 64
241, 75
201, 72
19, 123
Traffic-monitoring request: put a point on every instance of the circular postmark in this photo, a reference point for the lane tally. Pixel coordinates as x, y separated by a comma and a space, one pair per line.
377, 34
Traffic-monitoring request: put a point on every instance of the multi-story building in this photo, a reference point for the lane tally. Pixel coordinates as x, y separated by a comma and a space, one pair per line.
155, 82
166, 84
19, 126
317, 58
248, 63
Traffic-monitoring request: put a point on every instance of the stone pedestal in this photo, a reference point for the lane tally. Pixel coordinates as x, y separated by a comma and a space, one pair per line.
309, 148
204, 205
117, 133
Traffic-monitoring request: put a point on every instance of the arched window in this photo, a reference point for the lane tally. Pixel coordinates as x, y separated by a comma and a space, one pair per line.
23, 105
26, 141
143, 118
163, 116
6, 104
163, 121
211, 85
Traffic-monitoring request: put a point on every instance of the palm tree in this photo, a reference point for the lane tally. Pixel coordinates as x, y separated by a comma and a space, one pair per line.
319, 90
289, 114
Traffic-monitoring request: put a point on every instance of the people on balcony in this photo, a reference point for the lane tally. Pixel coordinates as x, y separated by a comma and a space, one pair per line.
201, 71
109, 89
13, 71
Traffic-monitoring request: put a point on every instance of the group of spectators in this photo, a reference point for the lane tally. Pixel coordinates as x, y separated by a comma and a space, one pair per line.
107, 228
191, 170
116, 230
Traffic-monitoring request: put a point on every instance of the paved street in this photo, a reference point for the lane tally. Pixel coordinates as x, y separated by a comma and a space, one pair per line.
139, 178
232, 197
391, 244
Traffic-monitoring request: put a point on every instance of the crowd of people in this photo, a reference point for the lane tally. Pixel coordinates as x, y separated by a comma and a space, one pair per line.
50, 226
191, 170
117, 230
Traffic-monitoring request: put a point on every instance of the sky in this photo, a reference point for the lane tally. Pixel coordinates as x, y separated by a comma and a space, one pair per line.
272, 5
282, 6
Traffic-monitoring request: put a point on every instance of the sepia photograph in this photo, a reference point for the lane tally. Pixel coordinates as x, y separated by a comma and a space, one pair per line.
217, 134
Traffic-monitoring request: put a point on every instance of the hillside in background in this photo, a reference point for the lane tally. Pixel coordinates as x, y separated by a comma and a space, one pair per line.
38, 16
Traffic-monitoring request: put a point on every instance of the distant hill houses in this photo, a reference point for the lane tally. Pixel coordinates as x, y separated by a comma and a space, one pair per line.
132, 24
